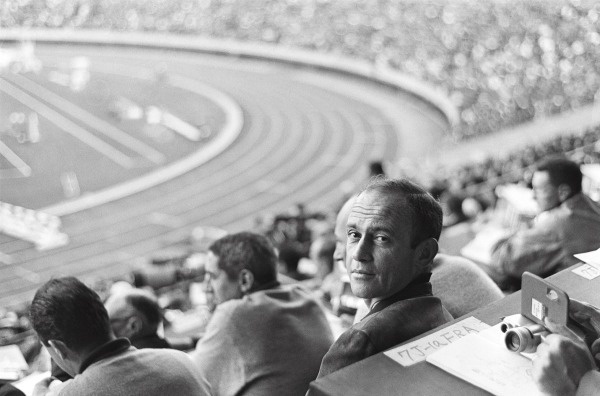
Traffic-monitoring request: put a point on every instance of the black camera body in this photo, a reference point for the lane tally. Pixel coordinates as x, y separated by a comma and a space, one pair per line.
539, 300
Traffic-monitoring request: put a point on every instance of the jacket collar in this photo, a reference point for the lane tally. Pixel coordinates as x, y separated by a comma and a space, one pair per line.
111, 348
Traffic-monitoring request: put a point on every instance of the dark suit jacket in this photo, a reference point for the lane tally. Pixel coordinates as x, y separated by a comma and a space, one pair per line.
407, 314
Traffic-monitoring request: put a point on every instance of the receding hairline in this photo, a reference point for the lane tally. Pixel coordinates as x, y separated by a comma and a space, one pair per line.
394, 205
410, 202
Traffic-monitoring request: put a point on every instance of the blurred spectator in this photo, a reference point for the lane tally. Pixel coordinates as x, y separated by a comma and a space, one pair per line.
73, 325
569, 223
135, 314
289, 257
263, 338
376, 169
321, 253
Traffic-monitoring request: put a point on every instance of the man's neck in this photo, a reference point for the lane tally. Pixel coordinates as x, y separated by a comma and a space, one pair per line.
418, 286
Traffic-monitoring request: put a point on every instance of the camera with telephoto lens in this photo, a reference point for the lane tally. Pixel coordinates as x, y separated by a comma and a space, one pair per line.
539, 300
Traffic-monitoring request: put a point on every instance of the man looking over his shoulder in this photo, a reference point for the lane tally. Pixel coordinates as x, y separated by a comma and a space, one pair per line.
392, 231
263, 338
73, 325
135, 314
569, 223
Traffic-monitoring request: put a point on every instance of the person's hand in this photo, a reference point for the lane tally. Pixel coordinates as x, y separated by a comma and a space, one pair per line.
562, 359
587, 316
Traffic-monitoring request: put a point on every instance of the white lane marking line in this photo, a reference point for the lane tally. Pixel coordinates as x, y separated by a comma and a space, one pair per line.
232, 128
90, 120
67, 125
15, 160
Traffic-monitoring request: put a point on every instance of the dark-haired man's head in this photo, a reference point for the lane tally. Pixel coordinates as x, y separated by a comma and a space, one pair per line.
555, 180
70, 321
238, 264
133, 314
392, 230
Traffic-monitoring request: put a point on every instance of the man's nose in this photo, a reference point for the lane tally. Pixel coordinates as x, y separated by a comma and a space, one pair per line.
362, 250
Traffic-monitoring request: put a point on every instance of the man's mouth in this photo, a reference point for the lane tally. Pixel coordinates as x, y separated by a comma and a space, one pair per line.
361, 274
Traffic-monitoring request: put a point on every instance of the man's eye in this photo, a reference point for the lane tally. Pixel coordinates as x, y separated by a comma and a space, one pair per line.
382, 238
353, 235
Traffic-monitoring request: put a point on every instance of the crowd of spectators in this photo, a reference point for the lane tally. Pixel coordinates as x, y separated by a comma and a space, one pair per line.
500, 62
476, 182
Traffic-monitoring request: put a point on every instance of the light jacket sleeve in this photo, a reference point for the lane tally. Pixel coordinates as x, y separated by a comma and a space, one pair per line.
538, 250
217, 357
589, 384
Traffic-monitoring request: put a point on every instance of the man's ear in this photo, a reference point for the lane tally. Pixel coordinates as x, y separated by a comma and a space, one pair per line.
134, 325
60, 348
564, 192
425, 252
246, 281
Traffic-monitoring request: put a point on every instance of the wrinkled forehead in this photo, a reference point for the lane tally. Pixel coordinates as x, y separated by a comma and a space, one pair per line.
380, 207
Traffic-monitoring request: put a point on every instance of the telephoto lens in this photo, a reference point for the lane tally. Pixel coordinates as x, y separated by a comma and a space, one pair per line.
524, 338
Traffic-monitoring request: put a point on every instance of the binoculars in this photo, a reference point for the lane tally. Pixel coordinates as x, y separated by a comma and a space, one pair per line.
524, 338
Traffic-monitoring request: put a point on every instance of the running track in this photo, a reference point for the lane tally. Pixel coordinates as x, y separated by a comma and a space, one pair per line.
305, 131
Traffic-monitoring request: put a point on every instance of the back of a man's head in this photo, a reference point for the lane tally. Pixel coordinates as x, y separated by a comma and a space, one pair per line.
425, 212
562, 171
133, 305
246, 250
65, 309
146, 305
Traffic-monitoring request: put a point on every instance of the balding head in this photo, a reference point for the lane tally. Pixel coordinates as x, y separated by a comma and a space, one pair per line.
133, 313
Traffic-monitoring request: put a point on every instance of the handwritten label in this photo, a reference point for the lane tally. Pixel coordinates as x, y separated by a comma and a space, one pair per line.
587, 271
417, 351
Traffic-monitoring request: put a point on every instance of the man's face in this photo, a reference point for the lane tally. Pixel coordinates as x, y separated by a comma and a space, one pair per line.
544, 192
218, 283
379, 245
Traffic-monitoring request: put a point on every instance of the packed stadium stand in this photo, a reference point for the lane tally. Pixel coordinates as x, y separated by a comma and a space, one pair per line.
500, 64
